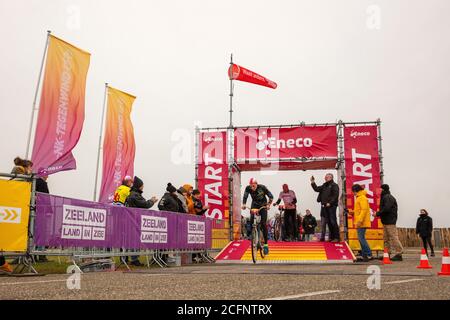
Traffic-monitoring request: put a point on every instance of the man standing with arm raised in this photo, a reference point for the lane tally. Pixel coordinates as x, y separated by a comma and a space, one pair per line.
328, 198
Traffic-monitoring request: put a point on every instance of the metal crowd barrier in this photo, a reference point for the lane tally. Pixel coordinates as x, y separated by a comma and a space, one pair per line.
47, 222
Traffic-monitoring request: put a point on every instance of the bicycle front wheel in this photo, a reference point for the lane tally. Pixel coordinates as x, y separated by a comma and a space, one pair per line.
254, 244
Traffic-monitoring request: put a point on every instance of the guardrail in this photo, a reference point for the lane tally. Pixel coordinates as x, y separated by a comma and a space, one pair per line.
61, 226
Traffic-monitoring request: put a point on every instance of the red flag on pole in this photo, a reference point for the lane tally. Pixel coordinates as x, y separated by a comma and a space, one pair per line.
236, 72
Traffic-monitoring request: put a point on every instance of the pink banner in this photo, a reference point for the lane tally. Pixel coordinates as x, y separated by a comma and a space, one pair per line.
213, 173
61, 110
284, 143
362, 166
118, 145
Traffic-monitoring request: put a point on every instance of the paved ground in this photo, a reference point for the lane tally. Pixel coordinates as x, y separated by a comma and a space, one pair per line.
398, 281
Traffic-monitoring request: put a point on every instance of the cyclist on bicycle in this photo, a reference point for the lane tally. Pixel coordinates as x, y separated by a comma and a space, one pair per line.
259, 194
290, 212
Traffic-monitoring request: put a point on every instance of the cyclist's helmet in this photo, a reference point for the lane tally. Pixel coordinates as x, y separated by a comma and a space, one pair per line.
252, 181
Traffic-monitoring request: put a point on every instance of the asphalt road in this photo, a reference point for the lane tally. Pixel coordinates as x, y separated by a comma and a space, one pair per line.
221, 282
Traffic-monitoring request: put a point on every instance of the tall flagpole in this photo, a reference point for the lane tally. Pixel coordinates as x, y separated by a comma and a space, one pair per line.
231, 92
100, 140
230, 153
36, 94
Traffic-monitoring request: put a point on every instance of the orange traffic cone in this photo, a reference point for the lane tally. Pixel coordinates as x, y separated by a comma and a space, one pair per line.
424, 264
445, 271
386, 259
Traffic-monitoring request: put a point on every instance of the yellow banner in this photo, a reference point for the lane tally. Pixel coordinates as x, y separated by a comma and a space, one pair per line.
374, 236
14, 215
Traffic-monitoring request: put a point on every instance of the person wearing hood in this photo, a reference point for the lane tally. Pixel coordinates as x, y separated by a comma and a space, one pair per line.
328, 198
169, 201
361, 219
189, 199
182, 203
290, 212
388, 215
135, 199
424, 229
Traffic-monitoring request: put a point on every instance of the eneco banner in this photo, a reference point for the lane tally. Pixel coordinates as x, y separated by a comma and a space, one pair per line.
213, 183
362, 166
118, 144
61, 109
256, 144
14, 215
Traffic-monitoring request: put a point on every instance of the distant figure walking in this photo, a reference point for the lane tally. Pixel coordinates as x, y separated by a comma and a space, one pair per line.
424, 228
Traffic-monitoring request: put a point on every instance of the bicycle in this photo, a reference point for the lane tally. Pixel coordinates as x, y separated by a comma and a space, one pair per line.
278, 225
257, 235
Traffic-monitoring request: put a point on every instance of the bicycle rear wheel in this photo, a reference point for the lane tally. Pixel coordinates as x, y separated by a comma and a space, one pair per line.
261, 244
277, 231
254, 244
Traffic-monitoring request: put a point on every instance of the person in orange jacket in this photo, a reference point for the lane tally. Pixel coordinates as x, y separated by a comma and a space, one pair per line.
189, 200
361, 214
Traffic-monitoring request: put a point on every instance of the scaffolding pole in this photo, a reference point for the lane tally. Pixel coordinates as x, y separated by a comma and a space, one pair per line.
300, 124
341, 171
196, 157
380, 150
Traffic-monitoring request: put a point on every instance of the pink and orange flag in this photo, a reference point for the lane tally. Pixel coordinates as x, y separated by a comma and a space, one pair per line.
61, 109
118, 144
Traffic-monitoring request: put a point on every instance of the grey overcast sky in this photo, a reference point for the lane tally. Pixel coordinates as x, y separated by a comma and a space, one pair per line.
352, 60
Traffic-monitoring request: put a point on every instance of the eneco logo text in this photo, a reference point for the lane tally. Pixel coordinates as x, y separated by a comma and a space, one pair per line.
355, 134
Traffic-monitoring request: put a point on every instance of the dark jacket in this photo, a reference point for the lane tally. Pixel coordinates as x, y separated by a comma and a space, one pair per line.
328, 193
181, 200
41, 185
135, 199
309, 220
259, 196
169, 202
388, 208
424, 226
198, 207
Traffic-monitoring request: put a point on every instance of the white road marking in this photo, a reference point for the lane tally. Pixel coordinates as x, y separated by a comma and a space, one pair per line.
304, 295
403, 281
27, 282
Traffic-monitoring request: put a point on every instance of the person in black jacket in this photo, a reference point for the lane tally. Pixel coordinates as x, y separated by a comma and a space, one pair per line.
424, 229
41, 184
199, 208
136, 200
328, 198
309, 224
169, 201
261, 197
388, 215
